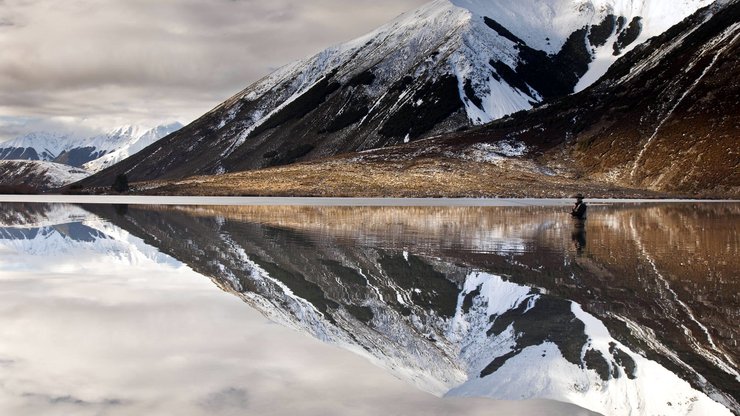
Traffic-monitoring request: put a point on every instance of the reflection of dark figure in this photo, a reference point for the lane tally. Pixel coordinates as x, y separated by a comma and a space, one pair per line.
121, 209
579, 209
579, 236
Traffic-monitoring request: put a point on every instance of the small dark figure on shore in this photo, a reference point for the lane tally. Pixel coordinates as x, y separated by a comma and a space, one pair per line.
579, 209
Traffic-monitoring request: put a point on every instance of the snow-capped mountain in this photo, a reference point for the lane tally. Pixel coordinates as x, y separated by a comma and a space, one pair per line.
434, 316
76, 151
450, 64
663, 120
36, 146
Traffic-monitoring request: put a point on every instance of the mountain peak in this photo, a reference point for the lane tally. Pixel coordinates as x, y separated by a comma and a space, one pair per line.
136, 132
127, 141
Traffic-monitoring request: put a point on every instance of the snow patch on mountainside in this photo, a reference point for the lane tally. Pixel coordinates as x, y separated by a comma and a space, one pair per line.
493, 152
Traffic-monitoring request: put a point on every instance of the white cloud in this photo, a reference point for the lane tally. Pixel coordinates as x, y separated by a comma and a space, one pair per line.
110, 62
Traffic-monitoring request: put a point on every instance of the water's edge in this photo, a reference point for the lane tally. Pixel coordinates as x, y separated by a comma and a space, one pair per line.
305, 201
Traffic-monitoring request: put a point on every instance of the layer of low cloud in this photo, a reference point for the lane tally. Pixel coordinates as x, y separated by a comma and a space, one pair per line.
100, 63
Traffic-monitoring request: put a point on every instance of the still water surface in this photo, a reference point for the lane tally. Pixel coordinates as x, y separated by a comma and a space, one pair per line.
184, 309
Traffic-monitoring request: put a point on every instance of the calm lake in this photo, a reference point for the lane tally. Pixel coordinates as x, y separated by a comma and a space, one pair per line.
284, 308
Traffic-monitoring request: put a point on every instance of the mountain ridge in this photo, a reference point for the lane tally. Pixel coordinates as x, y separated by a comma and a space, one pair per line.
42, 162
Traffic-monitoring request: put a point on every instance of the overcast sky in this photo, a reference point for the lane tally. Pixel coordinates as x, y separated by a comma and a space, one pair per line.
86, 64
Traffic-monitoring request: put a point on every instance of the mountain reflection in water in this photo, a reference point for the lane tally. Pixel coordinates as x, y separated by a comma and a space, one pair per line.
404, 284
501, 302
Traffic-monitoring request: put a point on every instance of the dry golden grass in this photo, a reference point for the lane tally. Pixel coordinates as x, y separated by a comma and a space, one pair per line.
418, 178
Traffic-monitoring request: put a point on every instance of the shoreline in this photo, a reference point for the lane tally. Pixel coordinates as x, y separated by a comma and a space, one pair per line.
335, 201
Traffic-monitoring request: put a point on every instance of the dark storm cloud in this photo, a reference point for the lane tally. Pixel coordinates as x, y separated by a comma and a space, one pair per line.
3, 361
108, 60
229, 398
71, 400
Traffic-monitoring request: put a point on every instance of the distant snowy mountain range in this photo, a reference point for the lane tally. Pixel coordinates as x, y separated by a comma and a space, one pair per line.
448, 65
93, 153
50, 160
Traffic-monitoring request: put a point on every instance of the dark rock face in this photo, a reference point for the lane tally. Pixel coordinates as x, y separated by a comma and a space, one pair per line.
301, 106
501, 30
594, 360
431, 104
557, 75
551, 321
628, 36
599, 34
434, 289
17, 153
79, 156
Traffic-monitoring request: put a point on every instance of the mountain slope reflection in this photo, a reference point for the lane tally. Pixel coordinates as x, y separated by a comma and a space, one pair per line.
501, 302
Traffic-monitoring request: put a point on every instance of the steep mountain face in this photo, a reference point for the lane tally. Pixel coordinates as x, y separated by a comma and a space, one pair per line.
97, 151
460, 302
38, 175
448, 65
